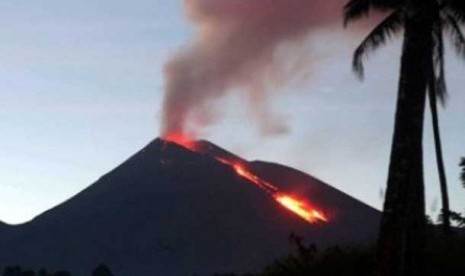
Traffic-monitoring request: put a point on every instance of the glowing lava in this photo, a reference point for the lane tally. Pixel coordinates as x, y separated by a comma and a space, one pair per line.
300, 208
243, 172
297, 206
181, 140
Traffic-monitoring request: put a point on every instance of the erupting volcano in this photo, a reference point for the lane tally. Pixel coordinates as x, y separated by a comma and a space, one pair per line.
298, 206
183, 207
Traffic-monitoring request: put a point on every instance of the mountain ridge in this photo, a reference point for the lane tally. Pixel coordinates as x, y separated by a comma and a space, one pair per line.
172, 211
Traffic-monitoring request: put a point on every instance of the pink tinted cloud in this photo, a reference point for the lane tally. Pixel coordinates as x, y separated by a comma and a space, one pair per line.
239, 47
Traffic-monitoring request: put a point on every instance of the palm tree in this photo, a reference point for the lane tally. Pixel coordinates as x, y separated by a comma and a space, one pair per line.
448, 18
401, 238
433, 92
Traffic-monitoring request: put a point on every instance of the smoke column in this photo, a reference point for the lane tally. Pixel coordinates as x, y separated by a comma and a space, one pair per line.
236, 47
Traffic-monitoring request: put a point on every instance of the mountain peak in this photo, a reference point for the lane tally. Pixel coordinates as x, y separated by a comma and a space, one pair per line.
169, 210
200, 146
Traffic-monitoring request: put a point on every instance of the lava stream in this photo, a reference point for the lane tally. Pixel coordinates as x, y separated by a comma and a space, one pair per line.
297, 206
300, 208
243, 172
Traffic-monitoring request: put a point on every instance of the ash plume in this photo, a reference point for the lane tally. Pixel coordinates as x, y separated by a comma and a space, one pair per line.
240, 46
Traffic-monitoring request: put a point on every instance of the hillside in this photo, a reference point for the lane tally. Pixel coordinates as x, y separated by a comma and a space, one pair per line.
170, 211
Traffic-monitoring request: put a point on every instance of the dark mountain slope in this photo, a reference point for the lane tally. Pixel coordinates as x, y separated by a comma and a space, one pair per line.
169, 211
346, 213
4, 227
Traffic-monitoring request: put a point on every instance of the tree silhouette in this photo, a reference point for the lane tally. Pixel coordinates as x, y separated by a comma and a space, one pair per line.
449, 17
18, 271
402, 233
12, 271
62, 273
458, 219
462, 175
102, 270
432, 94
43, 272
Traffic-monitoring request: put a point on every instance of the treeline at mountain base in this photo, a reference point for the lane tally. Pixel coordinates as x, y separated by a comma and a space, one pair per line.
444, 256
101, 270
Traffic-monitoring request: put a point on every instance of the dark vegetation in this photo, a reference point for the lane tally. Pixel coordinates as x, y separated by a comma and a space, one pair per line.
101, 270
456, 217
462, 176
402, 238
443, 257
19, 271
309, 260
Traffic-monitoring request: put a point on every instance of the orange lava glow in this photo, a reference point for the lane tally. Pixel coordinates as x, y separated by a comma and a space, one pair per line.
299, 207
242, 171
182, 140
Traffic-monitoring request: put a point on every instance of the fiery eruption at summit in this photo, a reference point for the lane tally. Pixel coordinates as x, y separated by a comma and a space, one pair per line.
298, 206
254, 47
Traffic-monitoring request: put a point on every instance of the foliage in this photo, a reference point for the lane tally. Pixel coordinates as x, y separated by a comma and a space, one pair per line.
456, 217
448, 19
429, 220
231, 274
102, 270
401, 238
462, 176
18, 271
445, 256
62, 273
308, 260
12, 271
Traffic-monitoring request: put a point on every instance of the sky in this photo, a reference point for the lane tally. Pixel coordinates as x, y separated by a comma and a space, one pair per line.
81, 90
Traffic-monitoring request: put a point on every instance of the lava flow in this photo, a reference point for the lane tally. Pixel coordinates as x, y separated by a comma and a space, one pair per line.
300, 207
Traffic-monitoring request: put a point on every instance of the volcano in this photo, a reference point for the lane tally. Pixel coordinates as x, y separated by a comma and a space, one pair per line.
173, 210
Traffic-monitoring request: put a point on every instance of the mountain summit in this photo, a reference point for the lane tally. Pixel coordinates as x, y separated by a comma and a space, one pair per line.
168, 210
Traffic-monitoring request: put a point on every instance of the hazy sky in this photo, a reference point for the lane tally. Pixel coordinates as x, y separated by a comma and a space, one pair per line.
81, 87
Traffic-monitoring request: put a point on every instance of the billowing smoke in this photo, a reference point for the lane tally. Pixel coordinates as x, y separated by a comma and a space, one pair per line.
239, 46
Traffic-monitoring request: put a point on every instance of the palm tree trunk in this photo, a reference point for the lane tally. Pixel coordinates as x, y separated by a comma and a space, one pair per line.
402, 231
439, 157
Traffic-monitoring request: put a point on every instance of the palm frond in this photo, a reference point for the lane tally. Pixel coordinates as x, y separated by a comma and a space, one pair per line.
462, 175
456, 217
355, 9
457, 9
456, 34
380, 34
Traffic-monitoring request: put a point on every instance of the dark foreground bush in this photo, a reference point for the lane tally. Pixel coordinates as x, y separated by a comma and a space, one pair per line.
19, 271
308, 260
101, 270
444, 256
